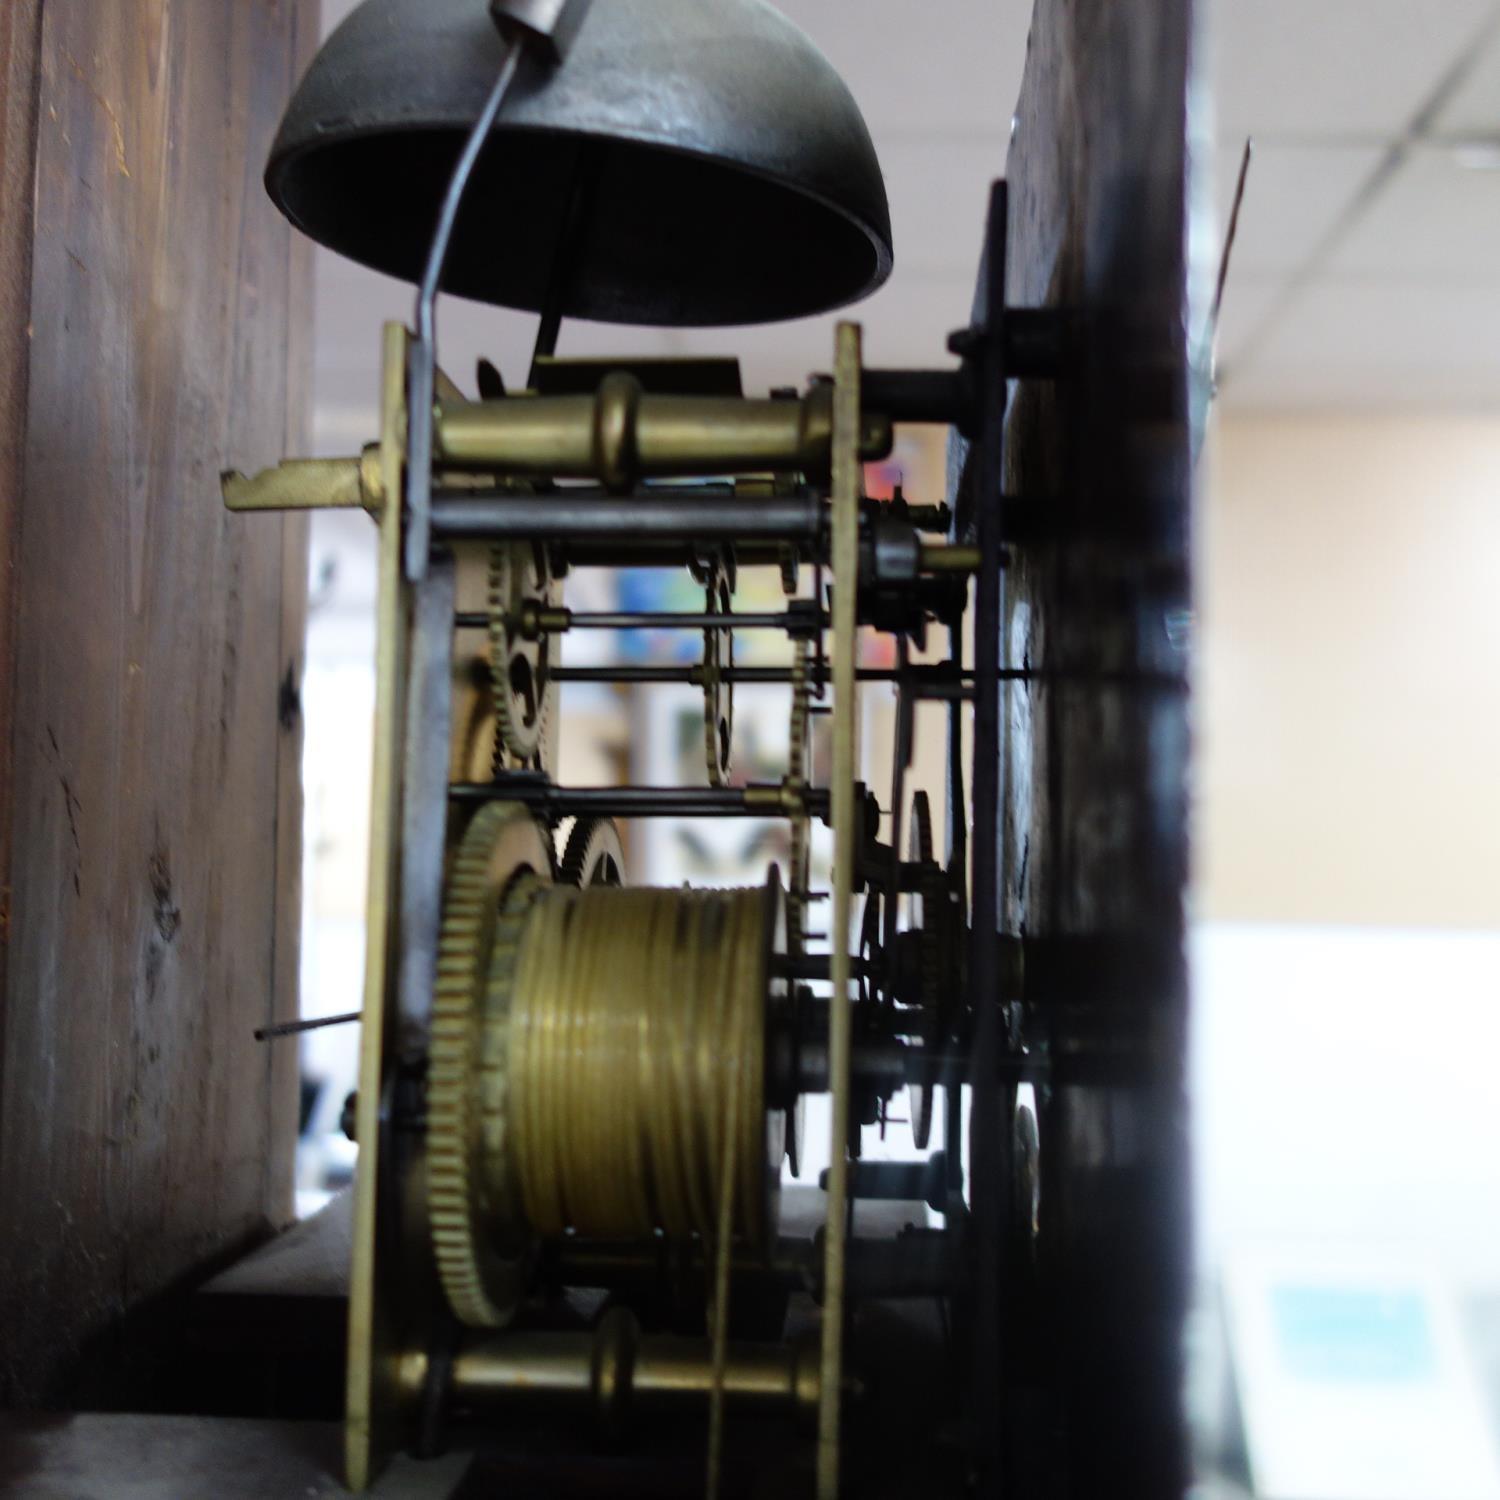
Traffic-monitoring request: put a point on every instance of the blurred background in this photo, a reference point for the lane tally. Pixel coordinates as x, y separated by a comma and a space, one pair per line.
1346, 911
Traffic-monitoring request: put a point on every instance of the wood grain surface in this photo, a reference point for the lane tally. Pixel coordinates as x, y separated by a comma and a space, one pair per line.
1094, 802
154, 670
20, 34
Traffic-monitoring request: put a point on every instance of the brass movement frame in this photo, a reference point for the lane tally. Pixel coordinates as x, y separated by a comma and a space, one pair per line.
616, 438
373, 1396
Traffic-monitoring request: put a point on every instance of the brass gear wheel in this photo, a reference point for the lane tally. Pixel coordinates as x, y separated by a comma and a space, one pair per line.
502, 862
520, 579
593, 856
718, 687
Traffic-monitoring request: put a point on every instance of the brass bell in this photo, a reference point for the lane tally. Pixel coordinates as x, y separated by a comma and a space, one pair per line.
692, 162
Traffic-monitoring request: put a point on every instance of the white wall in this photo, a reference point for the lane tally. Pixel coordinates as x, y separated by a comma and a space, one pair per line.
1348, 721
1347, 950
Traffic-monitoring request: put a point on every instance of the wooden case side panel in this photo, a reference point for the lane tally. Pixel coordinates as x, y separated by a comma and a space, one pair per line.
1095, 751
143, 1132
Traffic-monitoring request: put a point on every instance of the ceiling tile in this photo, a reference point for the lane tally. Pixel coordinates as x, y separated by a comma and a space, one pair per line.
1293, 197
1333, 67
1376, 344
925, 68
1474, 108
1435, 218
939, 192
1247, 301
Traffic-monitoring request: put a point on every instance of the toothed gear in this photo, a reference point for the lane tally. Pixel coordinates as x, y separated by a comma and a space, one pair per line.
473, 748
520, 579
500, 865
798, 880
594, 855
799, 876
718, 688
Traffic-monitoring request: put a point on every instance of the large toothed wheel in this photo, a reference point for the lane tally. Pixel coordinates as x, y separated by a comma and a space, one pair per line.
503, 861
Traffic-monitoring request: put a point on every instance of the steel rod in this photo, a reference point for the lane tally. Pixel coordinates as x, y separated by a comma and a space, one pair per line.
639, 801
660, 620
678, 620
450, 486
298, 1028
939, 685
692, 676
564, 517
663, 552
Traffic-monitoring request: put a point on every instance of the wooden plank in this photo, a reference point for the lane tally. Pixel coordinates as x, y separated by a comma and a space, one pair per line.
287, 970
20, 33
1094, 811
152, 798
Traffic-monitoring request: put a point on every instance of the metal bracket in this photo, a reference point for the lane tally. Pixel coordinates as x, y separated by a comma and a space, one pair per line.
306, 484
547, 26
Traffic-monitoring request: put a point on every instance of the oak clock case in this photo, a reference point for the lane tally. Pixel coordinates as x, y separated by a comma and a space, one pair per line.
577, 1096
